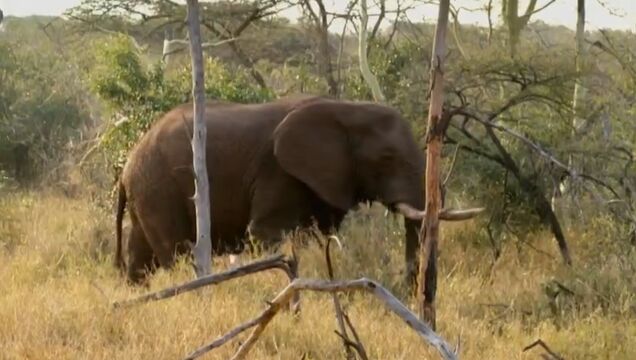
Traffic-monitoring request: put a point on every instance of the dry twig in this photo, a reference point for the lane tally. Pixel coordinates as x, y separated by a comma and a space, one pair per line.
356, 343
542, 344
341, 316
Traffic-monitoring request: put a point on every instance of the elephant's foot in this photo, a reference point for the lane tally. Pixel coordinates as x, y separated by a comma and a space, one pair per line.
137, 277
427, 313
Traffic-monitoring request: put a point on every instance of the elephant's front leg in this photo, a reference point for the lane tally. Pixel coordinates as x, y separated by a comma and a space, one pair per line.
280, 204
270, 234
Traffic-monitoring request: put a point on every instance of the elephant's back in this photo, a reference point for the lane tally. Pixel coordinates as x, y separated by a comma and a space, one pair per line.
237, 136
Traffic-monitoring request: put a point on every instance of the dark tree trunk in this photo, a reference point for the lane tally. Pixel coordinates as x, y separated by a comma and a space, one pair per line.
541, 204
434, 140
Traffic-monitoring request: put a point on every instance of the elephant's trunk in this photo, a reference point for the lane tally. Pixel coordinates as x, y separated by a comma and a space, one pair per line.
411, 251
412, 224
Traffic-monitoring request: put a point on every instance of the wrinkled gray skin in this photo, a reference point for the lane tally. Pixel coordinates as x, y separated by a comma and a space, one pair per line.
273, 167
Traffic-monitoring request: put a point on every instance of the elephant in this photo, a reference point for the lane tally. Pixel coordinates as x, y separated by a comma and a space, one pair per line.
273, 167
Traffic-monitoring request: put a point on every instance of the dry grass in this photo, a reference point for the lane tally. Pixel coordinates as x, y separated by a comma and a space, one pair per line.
57, 281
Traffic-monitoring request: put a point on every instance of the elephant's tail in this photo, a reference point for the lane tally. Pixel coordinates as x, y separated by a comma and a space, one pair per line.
121, 207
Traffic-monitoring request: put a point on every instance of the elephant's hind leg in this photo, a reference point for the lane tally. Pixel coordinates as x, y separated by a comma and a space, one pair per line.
167, 228
140, 256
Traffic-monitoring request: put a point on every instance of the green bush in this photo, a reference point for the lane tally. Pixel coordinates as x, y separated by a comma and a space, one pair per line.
138, 93
40, 106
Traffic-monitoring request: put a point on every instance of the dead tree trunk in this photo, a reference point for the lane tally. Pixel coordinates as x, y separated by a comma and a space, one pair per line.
202, 250
540, 202
434, 137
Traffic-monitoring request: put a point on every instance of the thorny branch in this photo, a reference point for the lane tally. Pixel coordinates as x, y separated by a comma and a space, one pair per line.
489, 123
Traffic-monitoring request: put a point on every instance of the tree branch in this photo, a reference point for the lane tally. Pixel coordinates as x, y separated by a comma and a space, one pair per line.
362, 284
275, 262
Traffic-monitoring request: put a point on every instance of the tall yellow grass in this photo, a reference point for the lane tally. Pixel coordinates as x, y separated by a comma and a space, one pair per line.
57, 282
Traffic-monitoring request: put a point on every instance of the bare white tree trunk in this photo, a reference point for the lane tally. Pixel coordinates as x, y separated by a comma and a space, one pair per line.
202, 250
560, 203
368, 76
168, 47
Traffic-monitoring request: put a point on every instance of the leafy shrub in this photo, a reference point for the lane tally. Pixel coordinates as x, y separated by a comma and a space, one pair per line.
40, 105
138, 94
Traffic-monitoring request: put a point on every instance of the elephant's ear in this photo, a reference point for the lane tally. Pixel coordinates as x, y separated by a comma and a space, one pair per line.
311, 144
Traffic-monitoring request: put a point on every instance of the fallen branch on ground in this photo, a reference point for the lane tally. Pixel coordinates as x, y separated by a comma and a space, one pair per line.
363, 284
542, 344
275, 262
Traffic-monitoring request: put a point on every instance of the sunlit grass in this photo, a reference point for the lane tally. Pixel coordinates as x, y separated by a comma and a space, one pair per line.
57, 282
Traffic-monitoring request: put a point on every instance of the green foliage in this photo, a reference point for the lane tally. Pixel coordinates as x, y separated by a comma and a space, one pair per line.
296, 76
529, 94
138, 93
40, 102
401, 77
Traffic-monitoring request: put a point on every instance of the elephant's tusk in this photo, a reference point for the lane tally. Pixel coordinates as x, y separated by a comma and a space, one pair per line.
445, 214
410, 212
457, 215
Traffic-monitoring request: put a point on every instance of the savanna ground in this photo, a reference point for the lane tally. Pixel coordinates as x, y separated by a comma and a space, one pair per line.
76, 92
57, 283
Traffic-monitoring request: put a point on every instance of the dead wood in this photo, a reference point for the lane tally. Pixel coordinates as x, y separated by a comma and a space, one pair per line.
298, 285
545, 346
356, 343
437, 124
341, 316
275, 262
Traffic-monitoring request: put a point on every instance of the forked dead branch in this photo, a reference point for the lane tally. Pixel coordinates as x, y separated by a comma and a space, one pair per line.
284, 298
362, 284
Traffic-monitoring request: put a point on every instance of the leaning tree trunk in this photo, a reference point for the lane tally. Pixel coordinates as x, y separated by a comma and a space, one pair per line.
434, 136
202, 250
367, 75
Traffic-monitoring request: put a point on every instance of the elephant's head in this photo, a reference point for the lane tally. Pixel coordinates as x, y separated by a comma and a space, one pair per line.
349, 152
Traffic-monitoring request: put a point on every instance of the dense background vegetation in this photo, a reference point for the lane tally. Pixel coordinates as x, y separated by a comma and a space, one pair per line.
76, 93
